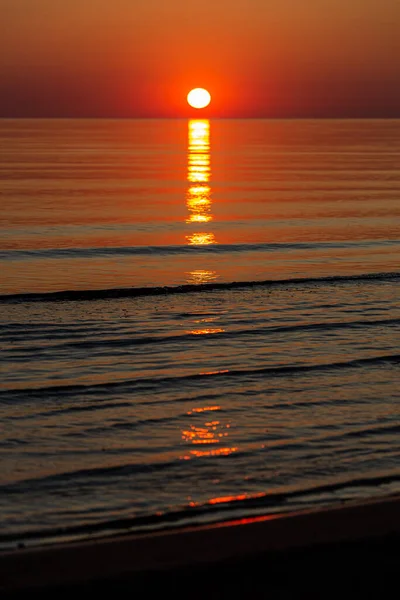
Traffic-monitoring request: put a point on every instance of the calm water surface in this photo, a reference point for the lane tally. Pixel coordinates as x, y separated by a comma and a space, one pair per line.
224, 335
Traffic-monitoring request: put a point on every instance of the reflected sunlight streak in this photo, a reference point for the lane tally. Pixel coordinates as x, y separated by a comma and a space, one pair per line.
198, 198
206, 331
201, 276
201, 239
211, 432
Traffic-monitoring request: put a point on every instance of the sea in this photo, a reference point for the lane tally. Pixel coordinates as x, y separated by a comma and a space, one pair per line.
199, 321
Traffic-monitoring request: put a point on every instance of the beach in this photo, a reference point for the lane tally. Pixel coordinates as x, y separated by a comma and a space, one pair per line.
309, 553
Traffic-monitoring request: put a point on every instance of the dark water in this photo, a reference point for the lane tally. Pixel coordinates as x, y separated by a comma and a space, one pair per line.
198, 320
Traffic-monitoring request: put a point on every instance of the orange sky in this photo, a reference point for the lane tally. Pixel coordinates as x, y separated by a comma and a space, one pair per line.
257, 57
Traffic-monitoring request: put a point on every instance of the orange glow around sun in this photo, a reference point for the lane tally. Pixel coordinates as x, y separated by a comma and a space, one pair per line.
199, 98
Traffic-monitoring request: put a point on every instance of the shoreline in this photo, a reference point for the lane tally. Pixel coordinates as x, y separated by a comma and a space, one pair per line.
364, 532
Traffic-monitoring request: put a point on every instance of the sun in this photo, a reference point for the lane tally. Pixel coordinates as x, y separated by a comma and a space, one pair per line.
199, 98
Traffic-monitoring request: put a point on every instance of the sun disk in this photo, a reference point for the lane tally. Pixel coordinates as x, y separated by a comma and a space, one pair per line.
199, 98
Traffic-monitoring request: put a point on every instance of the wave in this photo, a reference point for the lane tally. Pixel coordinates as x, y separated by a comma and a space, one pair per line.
59, 341
168, 250
216, 510
133, 292
143, 383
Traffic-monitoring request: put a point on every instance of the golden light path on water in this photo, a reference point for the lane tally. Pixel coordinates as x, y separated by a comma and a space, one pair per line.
208, 436
205, 435
198, 197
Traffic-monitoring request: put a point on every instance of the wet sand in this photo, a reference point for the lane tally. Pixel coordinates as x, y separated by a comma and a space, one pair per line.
352, 549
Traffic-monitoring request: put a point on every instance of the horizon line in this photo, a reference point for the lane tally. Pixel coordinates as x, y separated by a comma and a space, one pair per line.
199, 117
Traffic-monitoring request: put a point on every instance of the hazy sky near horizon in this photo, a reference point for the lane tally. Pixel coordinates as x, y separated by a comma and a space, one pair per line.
257, 57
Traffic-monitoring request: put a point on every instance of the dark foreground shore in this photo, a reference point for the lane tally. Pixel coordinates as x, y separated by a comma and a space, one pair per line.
350, 550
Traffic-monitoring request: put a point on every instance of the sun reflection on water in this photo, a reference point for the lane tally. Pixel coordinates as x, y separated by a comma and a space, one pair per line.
209, 437
201, 276
201, 239
206, 331
198, 198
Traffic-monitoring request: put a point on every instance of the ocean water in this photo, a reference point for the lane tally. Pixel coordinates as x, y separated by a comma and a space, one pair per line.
199, 321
